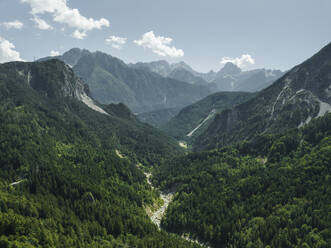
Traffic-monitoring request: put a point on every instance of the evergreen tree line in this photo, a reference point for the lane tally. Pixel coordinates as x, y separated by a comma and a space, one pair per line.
273, 191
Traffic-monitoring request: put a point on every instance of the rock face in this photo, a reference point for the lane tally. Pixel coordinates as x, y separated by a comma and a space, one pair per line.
229, 69
300, 95
54, 79
112, 81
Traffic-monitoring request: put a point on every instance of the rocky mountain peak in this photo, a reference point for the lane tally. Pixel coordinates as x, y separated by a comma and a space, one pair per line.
181, 65
229, 68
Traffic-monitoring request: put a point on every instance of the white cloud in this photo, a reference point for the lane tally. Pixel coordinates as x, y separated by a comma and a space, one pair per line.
8, 52
79, 34
65, 15
55, 53
116, 42
14, 24
241, 62
41, 24
159, 45
45, 6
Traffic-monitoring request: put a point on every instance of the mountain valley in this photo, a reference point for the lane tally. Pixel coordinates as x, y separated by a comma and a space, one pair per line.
99, 153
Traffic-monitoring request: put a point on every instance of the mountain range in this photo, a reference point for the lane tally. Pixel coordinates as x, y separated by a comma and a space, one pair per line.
146, 87
180, 71
110, 80
228, 78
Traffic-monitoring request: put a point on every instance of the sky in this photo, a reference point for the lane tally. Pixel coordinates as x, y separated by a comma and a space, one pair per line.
204, 33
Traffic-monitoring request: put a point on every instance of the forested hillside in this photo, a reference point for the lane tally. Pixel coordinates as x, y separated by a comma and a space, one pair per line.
272, 192
61, 182
158, 118
292, 101
184, 124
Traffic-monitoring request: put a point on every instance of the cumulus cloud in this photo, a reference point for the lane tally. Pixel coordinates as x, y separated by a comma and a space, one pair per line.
116, 42
55, 53
241, 62
14, 24
79, 34
8, 52
41, 24
63, 14
159, 45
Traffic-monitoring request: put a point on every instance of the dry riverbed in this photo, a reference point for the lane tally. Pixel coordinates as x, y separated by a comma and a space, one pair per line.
166, 197
157, 215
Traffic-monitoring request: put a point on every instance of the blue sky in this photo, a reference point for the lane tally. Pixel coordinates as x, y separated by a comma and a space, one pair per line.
252, 33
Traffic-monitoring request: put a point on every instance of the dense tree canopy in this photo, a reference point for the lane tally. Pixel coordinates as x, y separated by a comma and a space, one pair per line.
274, 191
61, 182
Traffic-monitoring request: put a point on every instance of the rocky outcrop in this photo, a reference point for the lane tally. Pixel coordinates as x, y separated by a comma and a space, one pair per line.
54, 79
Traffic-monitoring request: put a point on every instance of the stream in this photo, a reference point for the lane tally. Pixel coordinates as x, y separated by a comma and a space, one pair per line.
167, 197
156, 216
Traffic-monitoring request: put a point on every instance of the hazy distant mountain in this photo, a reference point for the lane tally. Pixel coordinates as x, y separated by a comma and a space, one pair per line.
112, 81
180, 71
165, 69
292, 101
229, 78
232, 78
228, 69
162, 67
186, 76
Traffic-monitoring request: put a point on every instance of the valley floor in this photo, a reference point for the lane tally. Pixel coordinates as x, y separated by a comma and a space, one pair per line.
156, 217
166, 197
